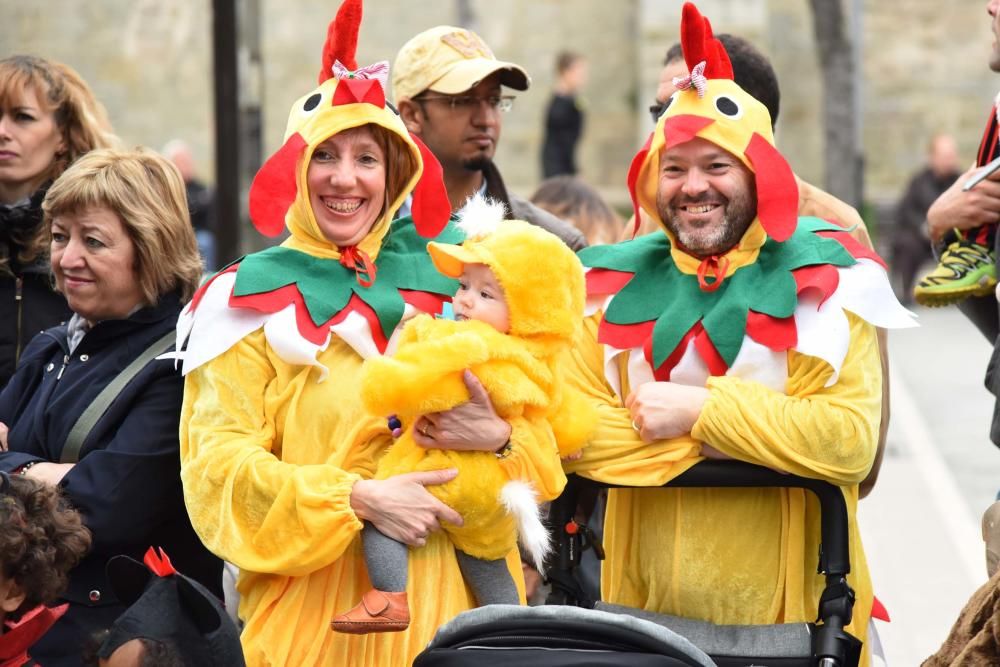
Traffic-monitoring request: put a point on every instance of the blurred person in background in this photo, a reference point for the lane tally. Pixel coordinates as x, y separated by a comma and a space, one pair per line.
573, 200
564, 116
91, 409
911, 245
448, 86
48, 119
201, 200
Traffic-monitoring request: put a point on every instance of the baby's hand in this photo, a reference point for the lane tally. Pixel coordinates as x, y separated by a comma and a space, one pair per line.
575, 456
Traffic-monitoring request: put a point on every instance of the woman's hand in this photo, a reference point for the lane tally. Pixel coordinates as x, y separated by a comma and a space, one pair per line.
956, 209
471, 426
49, 473
663, 410
401, 508
3, 437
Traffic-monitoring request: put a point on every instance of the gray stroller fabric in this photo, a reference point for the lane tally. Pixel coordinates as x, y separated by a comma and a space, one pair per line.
493, 613
791, 640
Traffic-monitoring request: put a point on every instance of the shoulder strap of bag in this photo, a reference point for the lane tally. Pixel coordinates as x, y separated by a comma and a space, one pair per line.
81, 429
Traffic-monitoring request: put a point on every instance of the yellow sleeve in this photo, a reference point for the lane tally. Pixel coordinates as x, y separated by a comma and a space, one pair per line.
246, 504
534, 457
814, 431
615, 453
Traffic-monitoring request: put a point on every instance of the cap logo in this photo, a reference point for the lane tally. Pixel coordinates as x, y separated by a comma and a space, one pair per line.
469, 44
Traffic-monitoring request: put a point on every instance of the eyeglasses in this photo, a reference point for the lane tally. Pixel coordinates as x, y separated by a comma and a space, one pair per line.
655, 110
466, 103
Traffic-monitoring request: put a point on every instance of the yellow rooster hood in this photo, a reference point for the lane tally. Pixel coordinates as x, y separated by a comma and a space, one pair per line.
348, 96
709, 105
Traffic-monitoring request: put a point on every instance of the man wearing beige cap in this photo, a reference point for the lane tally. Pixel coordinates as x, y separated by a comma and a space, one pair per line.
448, 87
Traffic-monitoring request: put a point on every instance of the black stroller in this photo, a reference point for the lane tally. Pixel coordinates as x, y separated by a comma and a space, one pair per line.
572, 629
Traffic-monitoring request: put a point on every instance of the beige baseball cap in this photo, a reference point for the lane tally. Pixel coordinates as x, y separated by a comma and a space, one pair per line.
449, 60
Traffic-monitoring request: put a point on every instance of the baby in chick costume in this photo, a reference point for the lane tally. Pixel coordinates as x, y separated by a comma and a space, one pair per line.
519, 303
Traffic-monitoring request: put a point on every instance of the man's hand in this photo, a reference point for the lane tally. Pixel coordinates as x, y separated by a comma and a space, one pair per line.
471, 426
956, 209
49, 473
663, 410
400, 507
3, 437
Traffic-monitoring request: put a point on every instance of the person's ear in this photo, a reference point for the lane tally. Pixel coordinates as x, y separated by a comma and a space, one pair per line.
11, 596
412, 115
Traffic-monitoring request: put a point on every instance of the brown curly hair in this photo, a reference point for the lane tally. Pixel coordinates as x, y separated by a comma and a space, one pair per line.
41, 539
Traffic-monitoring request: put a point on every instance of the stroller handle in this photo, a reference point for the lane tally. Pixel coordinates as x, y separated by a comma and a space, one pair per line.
832, 646
834, 556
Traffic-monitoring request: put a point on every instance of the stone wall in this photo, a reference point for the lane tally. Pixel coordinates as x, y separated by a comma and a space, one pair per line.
924, 69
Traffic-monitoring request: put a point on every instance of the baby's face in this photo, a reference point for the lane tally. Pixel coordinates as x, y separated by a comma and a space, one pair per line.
479, 297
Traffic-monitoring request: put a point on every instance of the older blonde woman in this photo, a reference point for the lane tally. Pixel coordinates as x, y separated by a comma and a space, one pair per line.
124, 255
48, 119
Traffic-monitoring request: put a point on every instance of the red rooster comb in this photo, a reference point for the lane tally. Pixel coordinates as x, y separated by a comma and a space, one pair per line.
342, 39
699, 44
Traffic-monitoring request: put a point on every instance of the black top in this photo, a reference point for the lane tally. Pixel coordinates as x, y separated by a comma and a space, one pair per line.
563, 127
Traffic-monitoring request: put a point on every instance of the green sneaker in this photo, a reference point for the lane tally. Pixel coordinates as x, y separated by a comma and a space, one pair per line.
966, 269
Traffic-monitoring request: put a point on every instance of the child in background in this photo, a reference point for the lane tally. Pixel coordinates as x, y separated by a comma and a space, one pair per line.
41, 540
519, 303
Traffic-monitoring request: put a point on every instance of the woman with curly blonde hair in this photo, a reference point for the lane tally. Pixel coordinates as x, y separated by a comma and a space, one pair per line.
48, 118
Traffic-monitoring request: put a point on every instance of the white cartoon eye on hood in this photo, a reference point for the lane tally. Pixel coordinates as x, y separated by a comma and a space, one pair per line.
728, 107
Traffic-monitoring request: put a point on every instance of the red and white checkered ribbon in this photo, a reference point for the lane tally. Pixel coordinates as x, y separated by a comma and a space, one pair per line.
696, 78
378, 71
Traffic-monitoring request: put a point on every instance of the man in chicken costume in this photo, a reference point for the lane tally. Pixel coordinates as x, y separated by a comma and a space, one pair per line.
278, 453
741, 332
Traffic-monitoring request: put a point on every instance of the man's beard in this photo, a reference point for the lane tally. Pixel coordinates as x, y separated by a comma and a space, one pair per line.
738, 213
480, 163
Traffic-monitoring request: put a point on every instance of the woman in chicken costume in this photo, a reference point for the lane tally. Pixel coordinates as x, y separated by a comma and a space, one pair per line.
277, 450
515, 317
762, 350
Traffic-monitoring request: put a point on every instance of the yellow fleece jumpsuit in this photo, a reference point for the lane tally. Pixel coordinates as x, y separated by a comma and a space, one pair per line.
740, 556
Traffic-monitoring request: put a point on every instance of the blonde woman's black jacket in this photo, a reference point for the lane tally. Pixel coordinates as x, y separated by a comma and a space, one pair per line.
127, 482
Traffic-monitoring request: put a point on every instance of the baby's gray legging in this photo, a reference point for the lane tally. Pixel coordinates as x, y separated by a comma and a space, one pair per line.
388, 560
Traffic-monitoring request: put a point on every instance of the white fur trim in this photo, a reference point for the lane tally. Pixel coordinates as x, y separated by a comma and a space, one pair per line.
521, 501
481, 216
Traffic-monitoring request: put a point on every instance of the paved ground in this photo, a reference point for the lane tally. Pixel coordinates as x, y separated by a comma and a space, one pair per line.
921, 524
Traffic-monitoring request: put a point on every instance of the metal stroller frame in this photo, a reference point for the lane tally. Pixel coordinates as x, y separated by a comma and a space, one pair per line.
831, 645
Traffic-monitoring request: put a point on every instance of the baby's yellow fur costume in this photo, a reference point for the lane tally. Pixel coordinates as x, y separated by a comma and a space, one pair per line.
543, 286
425, 376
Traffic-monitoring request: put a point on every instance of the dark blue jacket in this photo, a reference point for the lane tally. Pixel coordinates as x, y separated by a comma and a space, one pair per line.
127, 482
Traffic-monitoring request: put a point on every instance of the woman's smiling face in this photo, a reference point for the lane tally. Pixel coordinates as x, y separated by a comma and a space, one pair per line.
346, 180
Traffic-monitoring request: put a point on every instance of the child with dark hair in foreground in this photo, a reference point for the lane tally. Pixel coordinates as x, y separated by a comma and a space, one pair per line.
41, 539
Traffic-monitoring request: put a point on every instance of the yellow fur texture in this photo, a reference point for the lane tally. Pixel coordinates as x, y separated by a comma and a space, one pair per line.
425, 376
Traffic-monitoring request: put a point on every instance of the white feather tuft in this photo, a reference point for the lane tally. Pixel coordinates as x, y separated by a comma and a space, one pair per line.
521, 501
481, 216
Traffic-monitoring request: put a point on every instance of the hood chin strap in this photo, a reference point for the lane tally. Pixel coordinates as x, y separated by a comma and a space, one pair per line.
355, 258
718, 266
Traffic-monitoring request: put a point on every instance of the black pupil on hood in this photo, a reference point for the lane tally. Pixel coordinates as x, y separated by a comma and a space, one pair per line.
727, 106
312, 102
